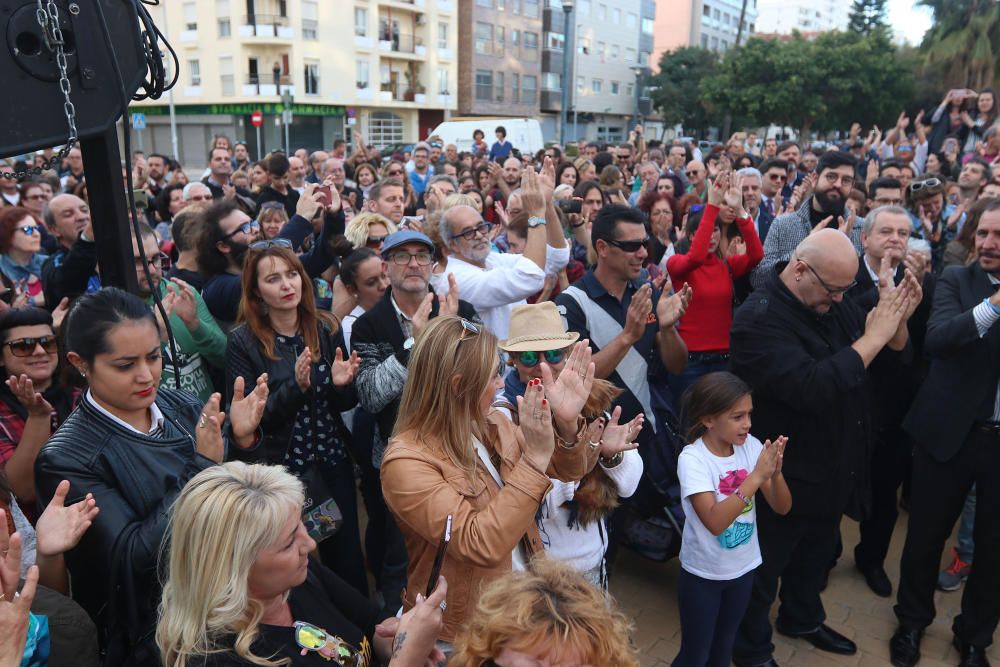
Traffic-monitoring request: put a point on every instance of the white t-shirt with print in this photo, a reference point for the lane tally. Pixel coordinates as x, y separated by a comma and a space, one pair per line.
736, 551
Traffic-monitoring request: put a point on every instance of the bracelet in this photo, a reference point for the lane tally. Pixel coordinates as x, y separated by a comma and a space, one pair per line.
739, 494
613, 461
578, 225
581, 424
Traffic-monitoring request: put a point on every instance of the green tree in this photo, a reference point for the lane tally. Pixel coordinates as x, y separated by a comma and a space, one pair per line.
867, 17
965, 38
675, 88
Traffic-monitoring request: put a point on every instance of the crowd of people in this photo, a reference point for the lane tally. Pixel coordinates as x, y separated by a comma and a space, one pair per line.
519, 365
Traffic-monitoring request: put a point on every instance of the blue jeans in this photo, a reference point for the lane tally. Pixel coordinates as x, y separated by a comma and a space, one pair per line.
966, 545
699, 363
710, 615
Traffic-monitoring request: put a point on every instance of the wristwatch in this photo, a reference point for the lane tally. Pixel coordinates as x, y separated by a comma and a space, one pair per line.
408, 343
535, 221
613, 461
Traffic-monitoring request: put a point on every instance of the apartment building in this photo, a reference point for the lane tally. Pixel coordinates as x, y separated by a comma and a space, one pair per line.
710, 24
385, 68
808, 16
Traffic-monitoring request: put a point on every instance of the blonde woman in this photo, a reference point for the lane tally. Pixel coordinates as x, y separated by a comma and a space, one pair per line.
242, 590
548, 615
368, 230
451, 455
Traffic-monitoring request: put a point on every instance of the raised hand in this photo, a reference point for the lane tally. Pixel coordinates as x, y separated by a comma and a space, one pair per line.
423, 313
733, 198
568, 393
501, 214
450, 304
208, 438
14, 620
10, 559
24, 389
638, 314
736, 247
303, 370
916, 263
883, 320
415, 633
536, 426
310, 201
620, 437
671, 309
547, 177
342, 370
717, 190
335, 202
245, 412
779, 445
184, 304
60, 528
532, 195
767, 464
59, 314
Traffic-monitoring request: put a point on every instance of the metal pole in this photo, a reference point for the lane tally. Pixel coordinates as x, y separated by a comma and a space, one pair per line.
567, 54
138, 136
170, 99
576, 102
259, 149
288, 145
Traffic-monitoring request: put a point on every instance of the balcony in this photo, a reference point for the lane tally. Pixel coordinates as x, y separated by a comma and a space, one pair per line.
401, 43
267, 27
398, 92
256, 85
411, 5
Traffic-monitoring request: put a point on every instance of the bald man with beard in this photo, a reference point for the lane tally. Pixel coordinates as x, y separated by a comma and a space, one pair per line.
805, 349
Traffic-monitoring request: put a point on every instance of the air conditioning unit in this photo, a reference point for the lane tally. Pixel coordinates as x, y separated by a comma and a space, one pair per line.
421, 19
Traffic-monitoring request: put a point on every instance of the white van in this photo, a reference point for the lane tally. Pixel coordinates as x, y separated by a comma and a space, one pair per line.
525, 134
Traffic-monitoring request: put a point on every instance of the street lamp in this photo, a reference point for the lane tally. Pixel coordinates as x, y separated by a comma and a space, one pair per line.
569, 48
640, 72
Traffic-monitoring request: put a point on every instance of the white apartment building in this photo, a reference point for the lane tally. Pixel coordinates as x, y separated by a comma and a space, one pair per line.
710, 24
385, 68
784, 16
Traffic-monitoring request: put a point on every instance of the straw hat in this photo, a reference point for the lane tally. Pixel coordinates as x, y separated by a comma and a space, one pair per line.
537, 327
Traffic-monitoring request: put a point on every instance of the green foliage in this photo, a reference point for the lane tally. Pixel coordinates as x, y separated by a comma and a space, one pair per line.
675, 88
824, 84
868, 17
964, 40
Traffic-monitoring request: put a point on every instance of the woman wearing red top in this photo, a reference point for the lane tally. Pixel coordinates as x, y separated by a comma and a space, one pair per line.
705, 325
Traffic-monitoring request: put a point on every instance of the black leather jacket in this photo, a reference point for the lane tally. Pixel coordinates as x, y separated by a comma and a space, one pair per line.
135, 479
245, 357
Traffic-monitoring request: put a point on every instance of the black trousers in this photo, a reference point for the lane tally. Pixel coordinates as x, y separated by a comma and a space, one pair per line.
890, 465
939, 491
796, 550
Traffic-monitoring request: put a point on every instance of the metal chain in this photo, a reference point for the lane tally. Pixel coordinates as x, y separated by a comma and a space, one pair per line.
48, 20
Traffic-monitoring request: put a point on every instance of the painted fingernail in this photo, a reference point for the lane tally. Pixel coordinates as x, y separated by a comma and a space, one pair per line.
544, 402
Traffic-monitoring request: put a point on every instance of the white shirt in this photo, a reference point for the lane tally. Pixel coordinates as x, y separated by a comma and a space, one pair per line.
155, 416
985, 318
348, 324
736, 551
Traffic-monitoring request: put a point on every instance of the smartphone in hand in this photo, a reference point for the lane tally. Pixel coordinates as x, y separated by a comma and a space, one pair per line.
439, 557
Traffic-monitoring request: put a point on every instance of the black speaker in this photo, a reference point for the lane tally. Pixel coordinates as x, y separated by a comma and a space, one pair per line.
34, 116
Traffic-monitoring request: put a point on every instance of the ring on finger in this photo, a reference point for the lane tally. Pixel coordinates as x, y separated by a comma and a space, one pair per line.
443, 605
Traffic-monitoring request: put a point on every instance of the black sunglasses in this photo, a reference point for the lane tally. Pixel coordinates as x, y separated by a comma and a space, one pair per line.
25, 347
628, 246
375, 240
271, 243
246, 228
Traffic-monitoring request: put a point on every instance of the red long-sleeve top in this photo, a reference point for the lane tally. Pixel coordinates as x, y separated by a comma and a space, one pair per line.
705, 325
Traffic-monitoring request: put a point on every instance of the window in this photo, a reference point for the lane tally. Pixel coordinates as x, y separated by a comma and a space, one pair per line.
361, 21
704, 41
631, 20
706, 11
602, 50
222, 18
551, 81
725, 45
310, 19
602, 12
194, 68
583, 9
226, 76
629, 55
484, 85
647, 26
530, 40
484, 37
190, 16
614, 87
614, 52
515, 37
500, 41
498, 85
555, 41
311, 76
610, 134
616, 16
596, 86
529, 90
515, 88
583, 45
363, 74
485, 3
385, 128
630, 89
579, 85
442, 35
443, 81
715, 43
530, 9
715, 14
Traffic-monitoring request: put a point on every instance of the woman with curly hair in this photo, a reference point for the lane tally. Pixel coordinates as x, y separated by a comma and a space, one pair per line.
547, 614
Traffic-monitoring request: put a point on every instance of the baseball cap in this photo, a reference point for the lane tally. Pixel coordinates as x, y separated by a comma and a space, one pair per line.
403, 237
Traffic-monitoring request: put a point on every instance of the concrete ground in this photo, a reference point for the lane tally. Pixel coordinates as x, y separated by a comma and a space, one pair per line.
646, 593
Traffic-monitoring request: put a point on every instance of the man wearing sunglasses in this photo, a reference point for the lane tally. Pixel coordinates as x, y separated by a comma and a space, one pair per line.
697, 177
383, 337
807, 349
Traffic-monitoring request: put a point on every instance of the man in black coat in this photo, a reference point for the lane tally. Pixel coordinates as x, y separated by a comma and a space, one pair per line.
805, 349
955, 424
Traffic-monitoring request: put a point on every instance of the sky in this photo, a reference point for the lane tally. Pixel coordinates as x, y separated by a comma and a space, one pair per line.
908, 20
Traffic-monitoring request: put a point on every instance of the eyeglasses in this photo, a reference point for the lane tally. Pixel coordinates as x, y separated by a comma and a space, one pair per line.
156, 260
271, 243
692, 172
25, 347
402, 258
628, 246
832, 177
831, 291
883, 201
916, 186
375, 240
470, 234
532, 359
30, 230
246, 228
330, 647
394, 172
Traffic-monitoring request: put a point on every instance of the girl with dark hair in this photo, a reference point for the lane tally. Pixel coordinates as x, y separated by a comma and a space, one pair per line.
168, 203
363, 274
720, 472
301, 350
661, 211
566, 174
979, 120
133, 445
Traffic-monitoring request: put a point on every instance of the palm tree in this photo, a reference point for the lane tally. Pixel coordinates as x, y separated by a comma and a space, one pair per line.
965, 40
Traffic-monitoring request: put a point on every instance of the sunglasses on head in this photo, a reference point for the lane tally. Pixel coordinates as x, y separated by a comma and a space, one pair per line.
916, 186
468, 328
532, 359
271, 243
629, 246
330, 647
25, 347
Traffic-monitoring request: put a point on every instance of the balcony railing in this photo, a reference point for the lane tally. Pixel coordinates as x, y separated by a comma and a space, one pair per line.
266, 25
400, 42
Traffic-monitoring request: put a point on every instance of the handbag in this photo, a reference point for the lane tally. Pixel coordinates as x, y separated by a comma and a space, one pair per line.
320, 513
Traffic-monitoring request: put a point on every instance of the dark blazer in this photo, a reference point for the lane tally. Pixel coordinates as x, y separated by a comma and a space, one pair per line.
764, 220
961, 385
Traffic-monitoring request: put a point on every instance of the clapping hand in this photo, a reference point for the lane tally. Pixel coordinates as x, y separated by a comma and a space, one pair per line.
245, 412
10, 559
536, 426
638, 313
342, 370
569, 392
736, 247
208, 438
60, 528
24, 389
14, 620
450, 304
717, 190
620, 437
670, 309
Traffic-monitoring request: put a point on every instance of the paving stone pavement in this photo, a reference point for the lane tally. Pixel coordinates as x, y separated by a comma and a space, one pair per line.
646, 593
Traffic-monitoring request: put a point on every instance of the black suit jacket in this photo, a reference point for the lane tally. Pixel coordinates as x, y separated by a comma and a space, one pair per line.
961, 385
764, 220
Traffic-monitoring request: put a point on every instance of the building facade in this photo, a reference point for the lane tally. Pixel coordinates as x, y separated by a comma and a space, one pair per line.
385, 68
501, 46
710, 24
609, 67
813, 16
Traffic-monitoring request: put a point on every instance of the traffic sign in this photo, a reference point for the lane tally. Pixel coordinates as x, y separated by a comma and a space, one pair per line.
286, 116
139, 121
257, 119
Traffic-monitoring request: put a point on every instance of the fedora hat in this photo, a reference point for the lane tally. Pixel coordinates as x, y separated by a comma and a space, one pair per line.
537, 327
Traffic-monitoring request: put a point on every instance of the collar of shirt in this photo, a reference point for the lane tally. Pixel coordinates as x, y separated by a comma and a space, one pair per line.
594, 289
872, 272
156, 418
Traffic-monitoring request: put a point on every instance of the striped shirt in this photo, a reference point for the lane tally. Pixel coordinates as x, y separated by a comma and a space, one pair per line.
986, 316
